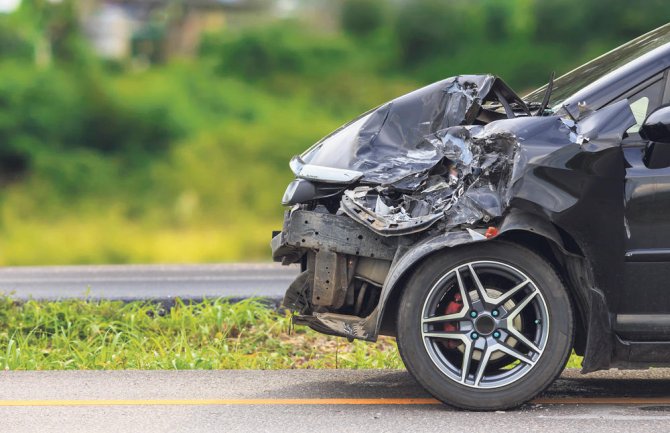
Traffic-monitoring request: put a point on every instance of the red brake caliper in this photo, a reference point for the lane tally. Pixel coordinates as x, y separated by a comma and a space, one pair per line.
453, 307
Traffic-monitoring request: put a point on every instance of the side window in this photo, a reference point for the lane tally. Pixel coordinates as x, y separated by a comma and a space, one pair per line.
640, 109
643, 102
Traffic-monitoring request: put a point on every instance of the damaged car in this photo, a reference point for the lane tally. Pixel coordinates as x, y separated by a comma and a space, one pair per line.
494, 234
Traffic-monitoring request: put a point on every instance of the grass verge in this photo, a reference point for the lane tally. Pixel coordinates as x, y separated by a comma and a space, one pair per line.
213, 334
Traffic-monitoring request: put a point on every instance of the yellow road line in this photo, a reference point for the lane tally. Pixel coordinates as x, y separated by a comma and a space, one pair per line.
224, 402
320, 401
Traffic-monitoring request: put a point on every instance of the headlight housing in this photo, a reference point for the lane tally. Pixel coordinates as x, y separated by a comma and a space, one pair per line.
303, 190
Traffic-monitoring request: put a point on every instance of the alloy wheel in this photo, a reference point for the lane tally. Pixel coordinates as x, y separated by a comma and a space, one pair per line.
485, 324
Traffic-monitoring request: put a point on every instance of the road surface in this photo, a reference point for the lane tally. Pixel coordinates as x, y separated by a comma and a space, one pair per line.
138, 282
314, 401
280, 401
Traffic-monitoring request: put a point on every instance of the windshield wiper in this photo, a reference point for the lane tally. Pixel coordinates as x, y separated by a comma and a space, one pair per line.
547, 95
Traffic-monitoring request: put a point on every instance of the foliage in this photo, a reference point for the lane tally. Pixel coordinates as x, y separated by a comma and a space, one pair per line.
427, 29
283, 48
186, 161
361, 18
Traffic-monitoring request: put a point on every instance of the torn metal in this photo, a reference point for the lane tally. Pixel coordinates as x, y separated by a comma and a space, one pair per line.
436, 168
468, 183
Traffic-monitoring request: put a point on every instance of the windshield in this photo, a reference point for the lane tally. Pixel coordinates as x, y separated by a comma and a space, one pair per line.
575, 80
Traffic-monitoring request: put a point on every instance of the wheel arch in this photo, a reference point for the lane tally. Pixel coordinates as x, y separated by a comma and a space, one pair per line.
540, 236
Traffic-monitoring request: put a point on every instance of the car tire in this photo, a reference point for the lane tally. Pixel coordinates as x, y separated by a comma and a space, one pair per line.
508, 341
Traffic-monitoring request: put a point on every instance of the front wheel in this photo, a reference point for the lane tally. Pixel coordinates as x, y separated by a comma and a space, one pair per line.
485, 326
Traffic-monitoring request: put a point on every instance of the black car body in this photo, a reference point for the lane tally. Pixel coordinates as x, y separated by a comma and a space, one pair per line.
468, 188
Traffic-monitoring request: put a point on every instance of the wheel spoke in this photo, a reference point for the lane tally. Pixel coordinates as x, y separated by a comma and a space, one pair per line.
467, 360
518, 308
480, 288
519, 336
483, 362
446, 336
454, 316
513, 352
511, 292
446, 317
465, 295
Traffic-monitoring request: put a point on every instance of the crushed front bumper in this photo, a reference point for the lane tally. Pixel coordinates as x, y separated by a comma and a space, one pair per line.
330, 249
309, 230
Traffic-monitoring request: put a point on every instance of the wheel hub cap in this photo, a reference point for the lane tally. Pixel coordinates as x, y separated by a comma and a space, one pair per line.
485, 324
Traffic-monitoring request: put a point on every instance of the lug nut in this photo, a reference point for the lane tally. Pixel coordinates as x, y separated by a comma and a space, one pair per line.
496, 334
474, 335
473, 314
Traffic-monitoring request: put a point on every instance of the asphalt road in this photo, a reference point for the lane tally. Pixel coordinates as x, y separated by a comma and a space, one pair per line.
278, 401
162, 282
314, 401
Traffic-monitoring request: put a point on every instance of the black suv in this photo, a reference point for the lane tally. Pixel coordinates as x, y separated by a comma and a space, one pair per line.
493, 234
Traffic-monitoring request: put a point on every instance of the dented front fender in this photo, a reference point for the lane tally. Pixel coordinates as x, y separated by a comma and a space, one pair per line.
407, 258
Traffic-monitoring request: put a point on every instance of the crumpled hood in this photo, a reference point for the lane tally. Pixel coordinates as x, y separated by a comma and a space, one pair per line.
389, 143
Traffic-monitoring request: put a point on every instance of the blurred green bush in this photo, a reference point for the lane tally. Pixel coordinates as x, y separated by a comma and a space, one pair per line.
186, 161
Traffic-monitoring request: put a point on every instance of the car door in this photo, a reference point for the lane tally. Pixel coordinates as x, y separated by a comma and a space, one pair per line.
643, 307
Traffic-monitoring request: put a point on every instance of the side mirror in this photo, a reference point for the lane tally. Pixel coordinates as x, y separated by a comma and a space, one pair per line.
656, 127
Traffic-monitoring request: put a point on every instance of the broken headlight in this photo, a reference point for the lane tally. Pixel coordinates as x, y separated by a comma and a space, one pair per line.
303, 190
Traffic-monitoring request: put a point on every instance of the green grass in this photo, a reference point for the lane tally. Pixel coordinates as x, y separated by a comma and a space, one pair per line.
214, 334
83, 335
